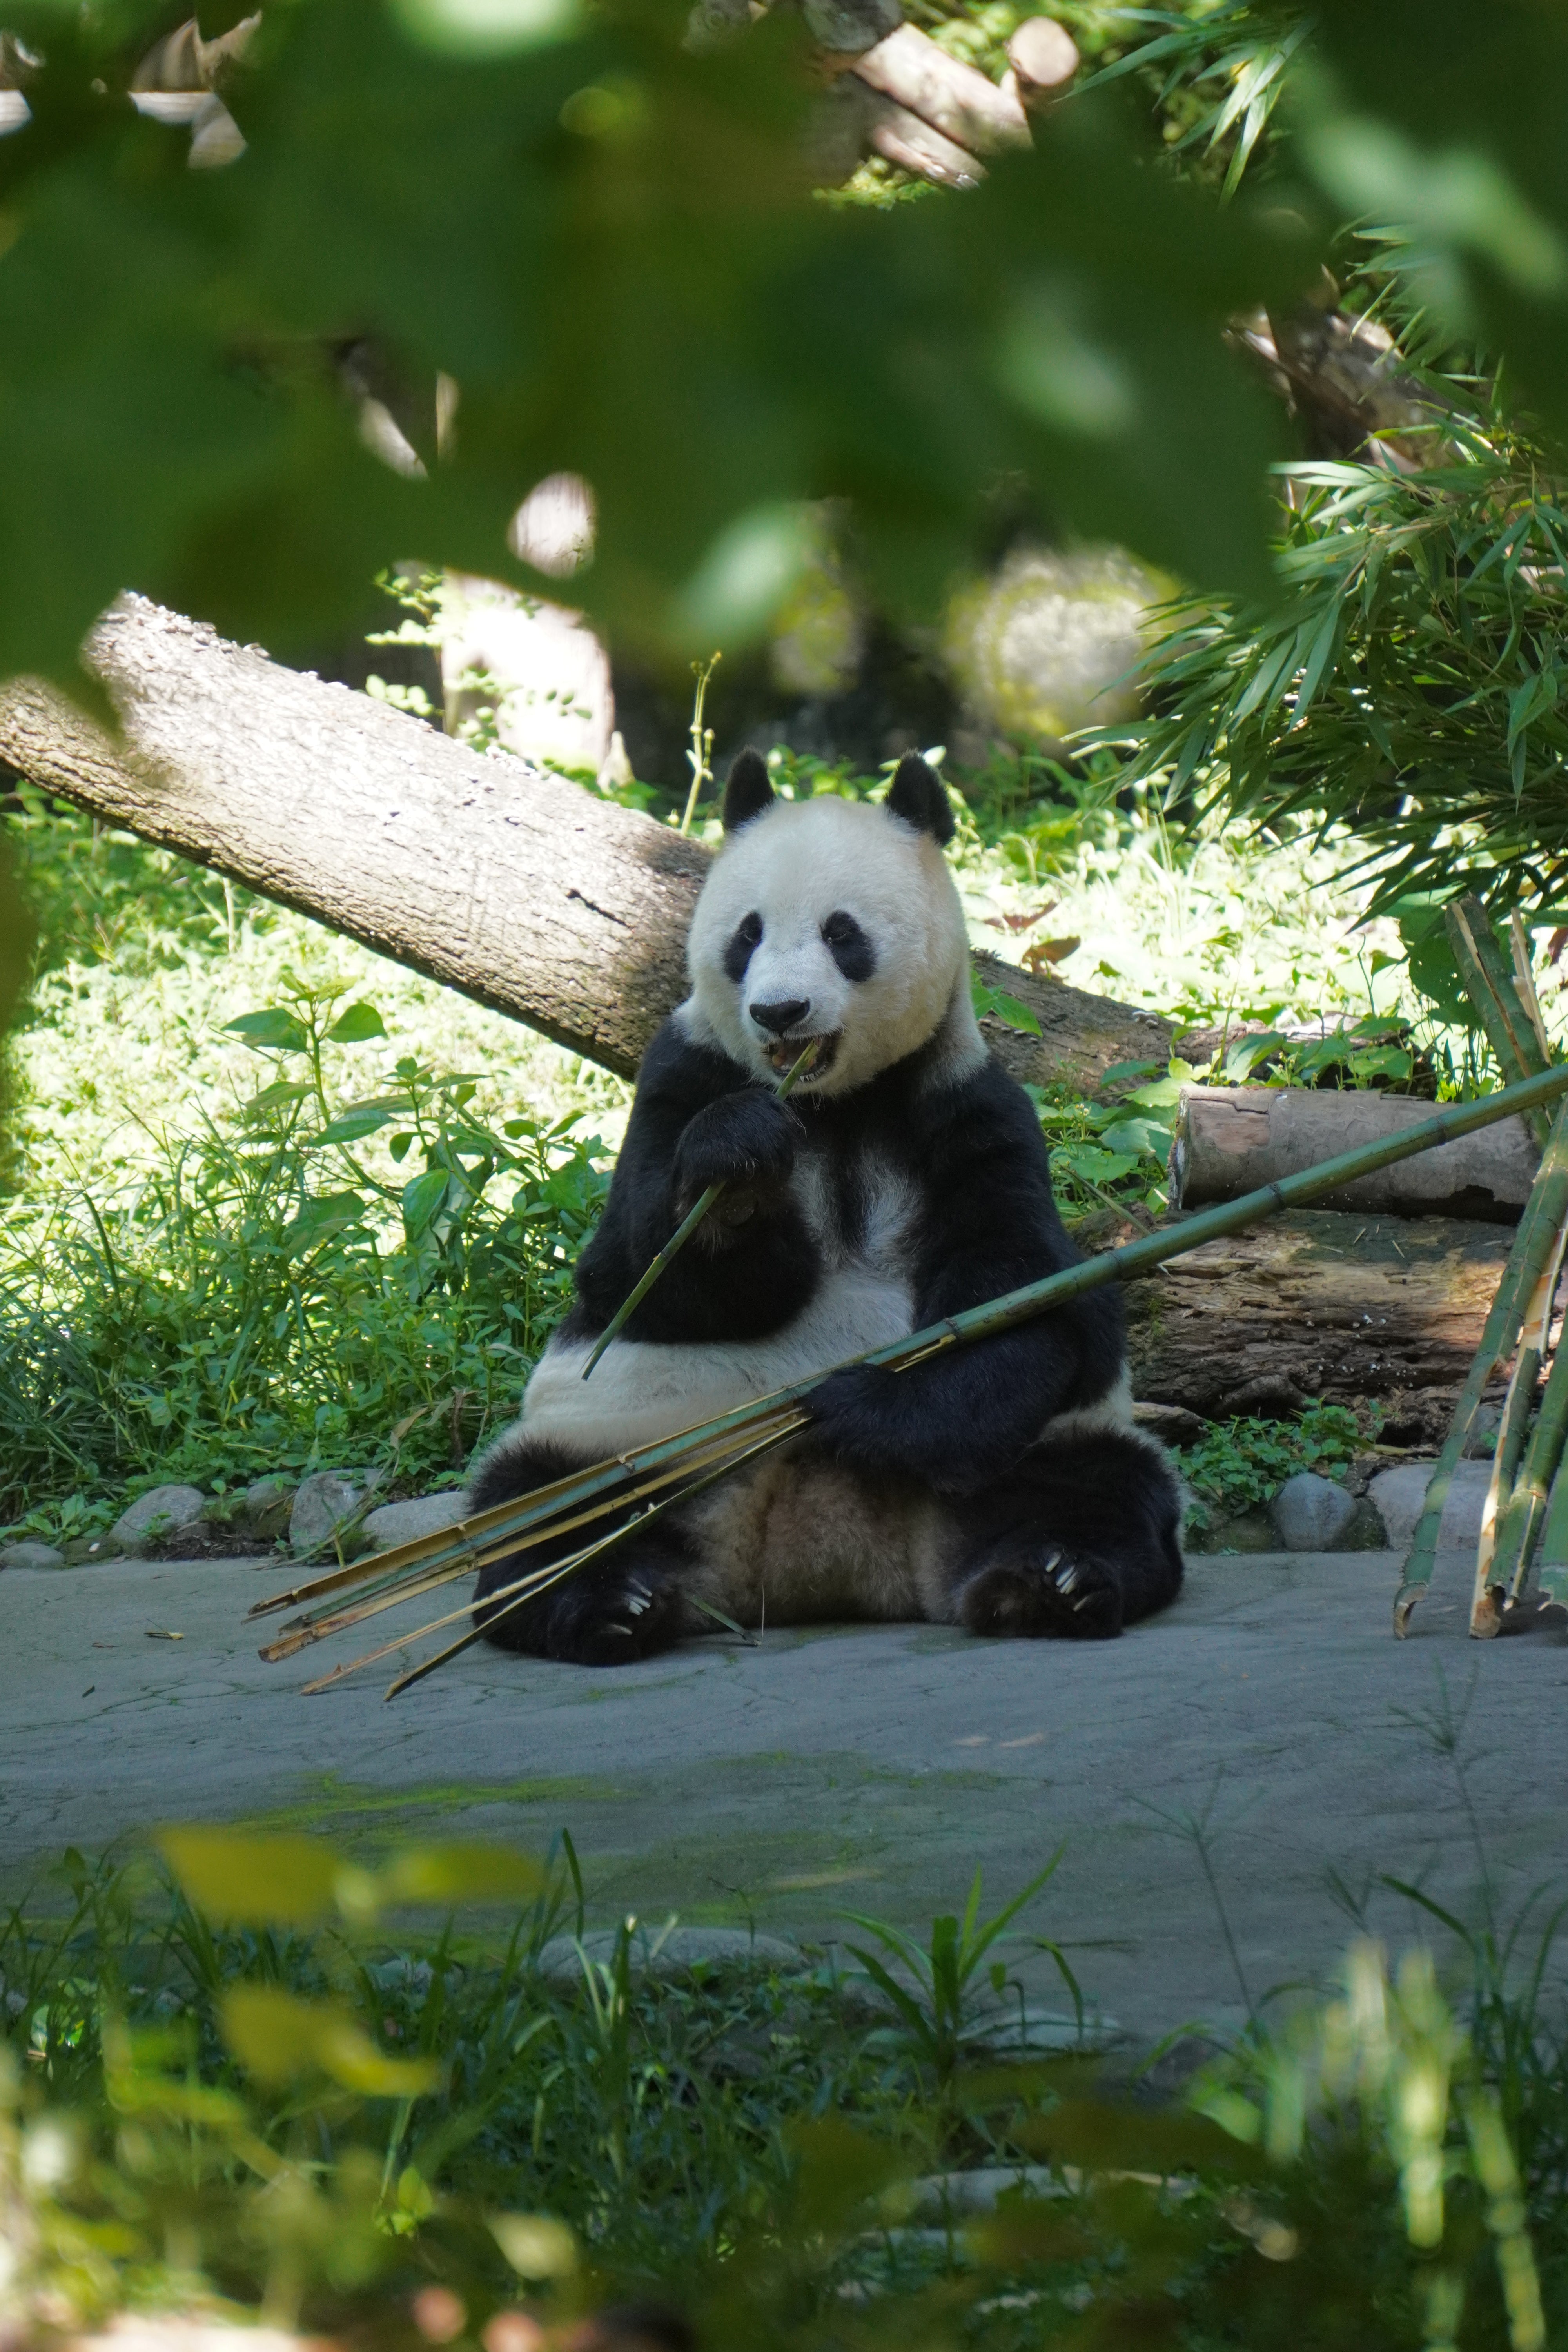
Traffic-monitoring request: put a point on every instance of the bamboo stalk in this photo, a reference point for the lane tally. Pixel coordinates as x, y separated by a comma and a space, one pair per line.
1551, 1574
605, 1479
1528, 1504
684, 1231
1533, 1248
1506, 1454
1524, 982
1491, 989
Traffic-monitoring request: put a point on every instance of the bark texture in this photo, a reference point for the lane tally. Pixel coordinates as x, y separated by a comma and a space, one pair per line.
1234, 1140
490, 876
1316, 1303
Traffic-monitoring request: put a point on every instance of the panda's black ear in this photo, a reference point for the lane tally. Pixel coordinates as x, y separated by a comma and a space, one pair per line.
748, 791
918, 797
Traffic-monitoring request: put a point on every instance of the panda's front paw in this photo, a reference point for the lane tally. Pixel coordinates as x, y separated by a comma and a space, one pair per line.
746, 1141
617, 1622
626, 1612
1041, 1591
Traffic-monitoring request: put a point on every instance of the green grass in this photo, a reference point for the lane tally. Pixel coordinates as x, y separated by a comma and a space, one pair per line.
314, 2114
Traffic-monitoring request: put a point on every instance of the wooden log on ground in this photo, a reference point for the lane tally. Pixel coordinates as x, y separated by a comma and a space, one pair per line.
1317, 1303
489, 874
1232, 1139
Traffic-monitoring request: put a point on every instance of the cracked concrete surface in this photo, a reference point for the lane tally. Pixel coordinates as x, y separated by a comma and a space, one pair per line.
860, 1767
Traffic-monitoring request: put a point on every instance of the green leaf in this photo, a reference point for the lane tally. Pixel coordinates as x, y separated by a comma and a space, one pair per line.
460, 1873
1095, 1166
1150, 1138
278, 1881
275, 1031
330, 1214
278, 2039
359, 1023
996, 1002
421, 1200
352, 1126
536, 2245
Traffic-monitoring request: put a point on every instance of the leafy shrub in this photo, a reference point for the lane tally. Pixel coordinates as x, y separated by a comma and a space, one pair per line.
241, 2082
286, 1297
1243, 1463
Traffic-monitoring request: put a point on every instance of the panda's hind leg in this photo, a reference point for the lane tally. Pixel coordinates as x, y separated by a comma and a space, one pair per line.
1081, 1538
627, 1606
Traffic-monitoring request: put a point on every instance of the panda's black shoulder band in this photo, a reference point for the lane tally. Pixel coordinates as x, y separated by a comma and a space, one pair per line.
916, 794
748, 791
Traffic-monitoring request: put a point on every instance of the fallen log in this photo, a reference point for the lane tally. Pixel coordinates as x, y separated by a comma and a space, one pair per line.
1231, 1139
1318, 1303
492, 876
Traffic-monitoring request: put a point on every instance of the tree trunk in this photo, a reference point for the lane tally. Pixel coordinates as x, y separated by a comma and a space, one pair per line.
1315, 1303
490, 876
1234, 1140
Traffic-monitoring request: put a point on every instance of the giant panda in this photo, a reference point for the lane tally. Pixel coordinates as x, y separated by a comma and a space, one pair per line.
1002, 1487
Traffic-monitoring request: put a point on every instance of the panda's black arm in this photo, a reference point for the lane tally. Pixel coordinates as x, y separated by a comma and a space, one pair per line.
696, 1119
990, 1226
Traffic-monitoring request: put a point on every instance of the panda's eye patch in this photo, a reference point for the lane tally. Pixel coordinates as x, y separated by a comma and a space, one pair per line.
747, 934
851, 950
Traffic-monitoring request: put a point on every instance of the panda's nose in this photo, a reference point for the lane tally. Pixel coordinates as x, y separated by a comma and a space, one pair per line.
782, 1015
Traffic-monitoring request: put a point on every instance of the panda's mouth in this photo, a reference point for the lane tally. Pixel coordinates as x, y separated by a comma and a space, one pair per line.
784, 1052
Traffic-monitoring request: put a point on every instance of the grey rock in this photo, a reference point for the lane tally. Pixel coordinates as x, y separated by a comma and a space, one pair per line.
1481, 1444
160, 1512
1172, 1425
673, 1955
84, 1551
325, 1501
267, 1504
400, 1523
1249, 1531
1311, 1514
1399, 1495
940, 2193
31, 1555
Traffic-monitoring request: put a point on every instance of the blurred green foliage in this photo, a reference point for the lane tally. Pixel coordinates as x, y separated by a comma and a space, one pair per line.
609, 245
250, 2085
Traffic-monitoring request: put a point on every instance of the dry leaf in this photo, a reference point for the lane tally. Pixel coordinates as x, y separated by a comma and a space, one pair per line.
1048, 952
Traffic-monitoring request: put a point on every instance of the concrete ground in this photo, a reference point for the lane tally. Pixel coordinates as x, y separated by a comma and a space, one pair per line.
871, 1769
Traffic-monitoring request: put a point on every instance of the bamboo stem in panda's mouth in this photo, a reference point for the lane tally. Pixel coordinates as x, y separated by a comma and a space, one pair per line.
684, 1231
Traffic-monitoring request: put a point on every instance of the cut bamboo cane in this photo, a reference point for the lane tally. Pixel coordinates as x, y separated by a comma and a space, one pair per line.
1509, 1576
1509, 1451
1524, 983
1551, 1574
1505, 1528
1490, 984
606, 1481
1534, 1248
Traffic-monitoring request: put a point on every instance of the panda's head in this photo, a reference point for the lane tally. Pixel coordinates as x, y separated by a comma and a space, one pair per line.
828, 920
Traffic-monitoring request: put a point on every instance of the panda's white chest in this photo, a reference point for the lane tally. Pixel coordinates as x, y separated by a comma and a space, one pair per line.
861, 1218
